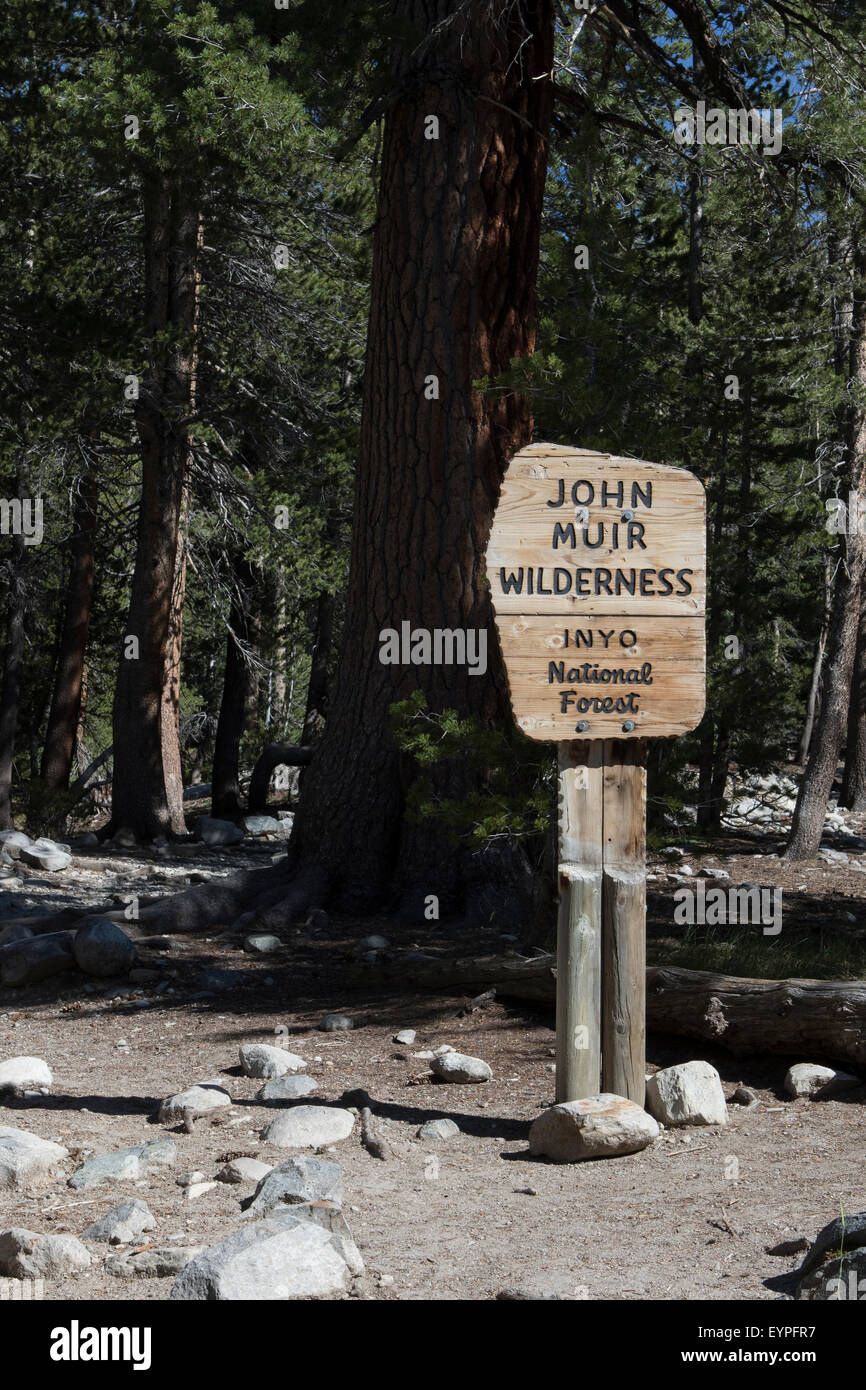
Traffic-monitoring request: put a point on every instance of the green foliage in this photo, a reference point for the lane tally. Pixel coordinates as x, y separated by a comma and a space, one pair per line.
512, 781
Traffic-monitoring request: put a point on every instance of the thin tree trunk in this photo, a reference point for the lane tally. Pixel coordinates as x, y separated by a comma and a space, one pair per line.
817, 780
67, 699
13, 662
145, 793
812, 702
317, 687
453, 299
225, 773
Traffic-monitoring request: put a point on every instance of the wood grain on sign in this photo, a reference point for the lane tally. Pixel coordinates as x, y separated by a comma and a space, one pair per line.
597, 569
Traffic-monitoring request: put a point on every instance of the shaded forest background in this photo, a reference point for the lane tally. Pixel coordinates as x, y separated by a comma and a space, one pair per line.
190, 194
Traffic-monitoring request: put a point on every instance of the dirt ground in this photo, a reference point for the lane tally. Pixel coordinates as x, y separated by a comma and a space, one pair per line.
691, 1217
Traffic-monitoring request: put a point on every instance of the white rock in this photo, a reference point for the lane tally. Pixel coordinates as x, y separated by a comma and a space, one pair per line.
809, 1079
46, 855
24, 1073
265, 1061
197, 1189
123, 1224
405, 1036
602, 1126
288, 1255
26, 1160
199, 1100
243, 1170
461, 1070
445, 1047
262, 945
687, 1094
442, 1128
309, 1127
29, 1255
287, 1088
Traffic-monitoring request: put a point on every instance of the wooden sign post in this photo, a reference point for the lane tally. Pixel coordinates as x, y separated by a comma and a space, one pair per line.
597, 570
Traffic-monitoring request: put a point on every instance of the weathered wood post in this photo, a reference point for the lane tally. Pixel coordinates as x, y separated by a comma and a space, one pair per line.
597, 569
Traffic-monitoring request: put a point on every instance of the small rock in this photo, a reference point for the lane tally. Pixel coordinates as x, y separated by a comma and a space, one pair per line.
424, 1055
198, 1100
197, 1189
126, 1164
600, 1126
46, 855
445, 1047
26, 1161
297, 1180
687, 1094
24, 1074
262, 945
309, 1127
218, 832
286, 1089
265, 1061
239, 1170
810, 1079
335, 1023
28, 1255
744, 1095
460, 1070
13, 841
260, 825
152, 1264
123, 1224
102, 949
26, 962
405, 1036
295, 1252
189, 1179
438, 1129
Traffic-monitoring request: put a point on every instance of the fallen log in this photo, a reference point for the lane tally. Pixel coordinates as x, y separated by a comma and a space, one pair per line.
821, 1018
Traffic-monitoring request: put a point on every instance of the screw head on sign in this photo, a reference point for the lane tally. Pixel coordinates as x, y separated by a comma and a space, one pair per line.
581, 726
628, 515
628, 726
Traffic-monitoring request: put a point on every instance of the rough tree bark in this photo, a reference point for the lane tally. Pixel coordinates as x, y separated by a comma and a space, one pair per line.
146, 796
853, 793
66, 701
453, 300
820, 770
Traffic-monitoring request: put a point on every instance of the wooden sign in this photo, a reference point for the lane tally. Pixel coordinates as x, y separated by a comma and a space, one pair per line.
597, 568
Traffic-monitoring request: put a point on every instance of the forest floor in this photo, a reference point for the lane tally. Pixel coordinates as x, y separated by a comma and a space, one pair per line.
463, 1218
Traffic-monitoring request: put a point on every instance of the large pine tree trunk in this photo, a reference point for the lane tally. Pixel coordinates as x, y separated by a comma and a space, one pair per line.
146, 795
66, 701
854, 781
453, 297
817, 779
